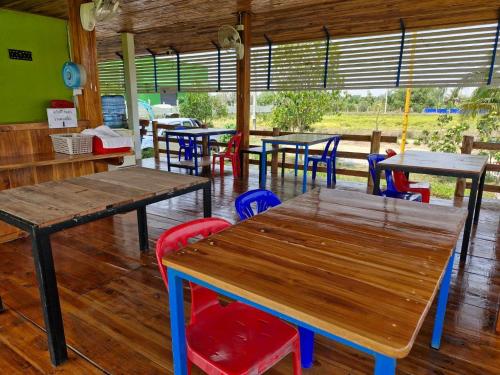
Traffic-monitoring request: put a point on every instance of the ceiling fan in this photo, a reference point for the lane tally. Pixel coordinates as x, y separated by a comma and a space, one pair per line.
97, 11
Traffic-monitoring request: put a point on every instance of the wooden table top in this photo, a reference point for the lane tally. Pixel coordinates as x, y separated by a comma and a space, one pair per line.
52, 158
437, 162
299, 139
58, 201
362, 267
200, 131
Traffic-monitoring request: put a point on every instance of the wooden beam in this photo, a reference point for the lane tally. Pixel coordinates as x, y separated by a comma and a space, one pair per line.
243, 88
128, 49
84, 52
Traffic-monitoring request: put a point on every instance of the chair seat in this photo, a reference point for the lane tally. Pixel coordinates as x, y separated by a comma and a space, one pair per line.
420, 185
238, 339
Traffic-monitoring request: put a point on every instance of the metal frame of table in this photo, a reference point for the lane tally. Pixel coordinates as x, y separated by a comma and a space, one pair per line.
475, 197
193, 133
286, 140
44, 262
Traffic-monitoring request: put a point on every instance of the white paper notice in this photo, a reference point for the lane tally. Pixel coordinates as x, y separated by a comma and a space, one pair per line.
62, 118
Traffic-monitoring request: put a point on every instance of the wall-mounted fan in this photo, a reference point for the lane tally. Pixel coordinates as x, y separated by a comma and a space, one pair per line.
97, 11
229, 37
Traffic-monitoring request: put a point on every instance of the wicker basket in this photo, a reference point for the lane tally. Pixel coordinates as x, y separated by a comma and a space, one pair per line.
72, 144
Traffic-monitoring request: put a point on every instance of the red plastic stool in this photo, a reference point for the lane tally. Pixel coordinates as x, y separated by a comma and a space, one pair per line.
236, 339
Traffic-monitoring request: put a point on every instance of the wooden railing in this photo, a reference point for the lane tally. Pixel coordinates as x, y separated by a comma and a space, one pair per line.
373, 142
468, 145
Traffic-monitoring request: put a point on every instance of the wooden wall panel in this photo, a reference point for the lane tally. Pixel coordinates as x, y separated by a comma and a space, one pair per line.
84, 51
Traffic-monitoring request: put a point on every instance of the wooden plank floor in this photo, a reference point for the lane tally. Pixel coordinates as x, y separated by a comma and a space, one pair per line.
115, 307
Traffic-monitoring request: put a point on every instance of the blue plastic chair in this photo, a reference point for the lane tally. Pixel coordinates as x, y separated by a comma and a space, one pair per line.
262, 198
391, 192
329, 157
187, 145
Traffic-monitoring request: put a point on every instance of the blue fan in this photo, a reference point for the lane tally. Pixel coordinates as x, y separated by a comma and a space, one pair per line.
74, 75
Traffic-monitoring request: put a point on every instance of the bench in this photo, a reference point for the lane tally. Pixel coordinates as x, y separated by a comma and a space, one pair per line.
258, 151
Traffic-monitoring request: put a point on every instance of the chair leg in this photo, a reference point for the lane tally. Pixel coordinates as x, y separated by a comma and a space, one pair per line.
315, 168
296, 160
221, 161
334, 171
297, 367
214, 158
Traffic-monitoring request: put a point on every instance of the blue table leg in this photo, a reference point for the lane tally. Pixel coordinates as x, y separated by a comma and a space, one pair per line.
306, 164
384, 365
196, 157
263, 166
441, 307
168, 153
306, 347
296, 159
176, 300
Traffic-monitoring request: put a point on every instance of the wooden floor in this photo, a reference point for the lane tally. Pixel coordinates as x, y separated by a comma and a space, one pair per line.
115, 307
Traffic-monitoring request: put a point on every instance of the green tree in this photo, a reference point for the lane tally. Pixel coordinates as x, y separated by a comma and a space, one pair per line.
298, 110
202, 106
420, 98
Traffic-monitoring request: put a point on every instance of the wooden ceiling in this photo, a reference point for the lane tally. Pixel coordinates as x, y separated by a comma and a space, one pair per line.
191, 25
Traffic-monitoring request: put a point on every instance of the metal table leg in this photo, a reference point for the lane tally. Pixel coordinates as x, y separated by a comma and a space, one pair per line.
49, 296
306, 165
468, 222
306, 347
178, 330
196, 157
479, 197
441, 307
142, 224
263, 166
167, 146
376, 183
283, 155
207, 200
296, 159
384, 365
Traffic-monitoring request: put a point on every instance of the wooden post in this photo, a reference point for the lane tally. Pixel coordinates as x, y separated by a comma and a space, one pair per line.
128, 49
243, 90
274, 160
467, 144
374, 149
156, 145
84, 52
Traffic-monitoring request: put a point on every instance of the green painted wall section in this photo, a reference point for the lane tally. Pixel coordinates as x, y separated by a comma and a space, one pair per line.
26, 87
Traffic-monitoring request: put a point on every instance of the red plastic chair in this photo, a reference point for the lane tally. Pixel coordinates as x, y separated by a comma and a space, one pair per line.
235, 339
403, 185
232, 153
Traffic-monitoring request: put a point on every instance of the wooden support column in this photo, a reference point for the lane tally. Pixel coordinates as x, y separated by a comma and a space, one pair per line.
128, 49
374, 149
83, 49
467, 146
243, 89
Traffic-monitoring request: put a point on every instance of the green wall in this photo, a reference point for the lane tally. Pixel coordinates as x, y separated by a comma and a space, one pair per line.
26, 87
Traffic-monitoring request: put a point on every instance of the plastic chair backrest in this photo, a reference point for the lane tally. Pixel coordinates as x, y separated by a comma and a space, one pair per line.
263, 200
373, 160
233, 146
175, 239
180, 139
400, 180
335, 140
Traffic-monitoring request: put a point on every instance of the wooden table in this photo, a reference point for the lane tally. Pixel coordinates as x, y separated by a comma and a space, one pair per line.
299, 140
50, 207
444, 164
350, 266
195, 134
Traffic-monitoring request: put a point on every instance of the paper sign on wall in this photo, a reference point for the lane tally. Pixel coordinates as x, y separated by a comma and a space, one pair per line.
62, 118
